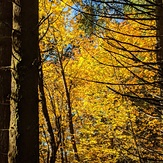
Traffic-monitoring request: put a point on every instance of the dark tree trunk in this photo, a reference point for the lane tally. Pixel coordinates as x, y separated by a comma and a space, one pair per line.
5, 76
71, 127
24, 125
54, 145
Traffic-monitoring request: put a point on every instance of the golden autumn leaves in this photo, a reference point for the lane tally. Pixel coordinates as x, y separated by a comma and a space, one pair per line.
108, 127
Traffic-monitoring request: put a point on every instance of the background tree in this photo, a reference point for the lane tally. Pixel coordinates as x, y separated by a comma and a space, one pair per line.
56, 52
110, 64
143, 72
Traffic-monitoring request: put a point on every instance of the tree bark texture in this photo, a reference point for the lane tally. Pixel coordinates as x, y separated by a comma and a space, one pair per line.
24, 124
5, 76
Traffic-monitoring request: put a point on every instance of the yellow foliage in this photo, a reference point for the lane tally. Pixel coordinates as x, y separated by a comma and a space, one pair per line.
105, 123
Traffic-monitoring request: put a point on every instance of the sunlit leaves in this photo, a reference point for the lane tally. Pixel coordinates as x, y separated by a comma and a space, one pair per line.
121, 57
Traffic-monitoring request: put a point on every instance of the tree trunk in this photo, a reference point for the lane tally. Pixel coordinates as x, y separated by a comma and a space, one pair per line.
71, 127
54, 145
24, 124
5, 76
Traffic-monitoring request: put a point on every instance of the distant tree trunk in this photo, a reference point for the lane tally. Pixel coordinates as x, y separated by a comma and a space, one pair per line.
24, 125
5, 76
54, 145
71, 127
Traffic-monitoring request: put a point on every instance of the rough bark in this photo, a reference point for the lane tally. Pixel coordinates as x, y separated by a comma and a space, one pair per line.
5, 75
24, 144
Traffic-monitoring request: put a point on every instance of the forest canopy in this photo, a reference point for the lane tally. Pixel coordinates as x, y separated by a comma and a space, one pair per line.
102, 81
